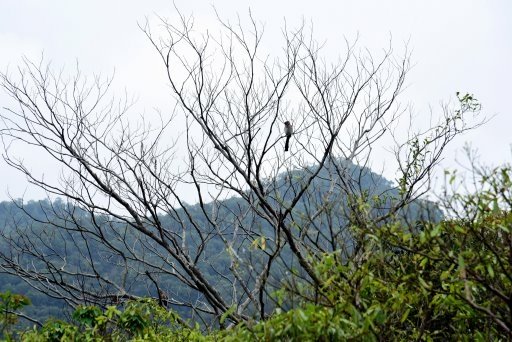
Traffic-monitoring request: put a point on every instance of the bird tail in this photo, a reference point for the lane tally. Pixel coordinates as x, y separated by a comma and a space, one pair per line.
287, 144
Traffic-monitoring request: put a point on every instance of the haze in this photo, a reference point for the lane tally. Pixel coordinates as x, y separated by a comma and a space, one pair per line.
457, 46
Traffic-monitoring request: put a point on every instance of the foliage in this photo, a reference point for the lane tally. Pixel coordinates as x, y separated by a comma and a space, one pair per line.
141, 320
450, 280
390, 293
436, 290
9, 304
422, 280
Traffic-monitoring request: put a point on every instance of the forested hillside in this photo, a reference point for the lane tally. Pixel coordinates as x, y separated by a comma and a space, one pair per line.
448, 280
23, 221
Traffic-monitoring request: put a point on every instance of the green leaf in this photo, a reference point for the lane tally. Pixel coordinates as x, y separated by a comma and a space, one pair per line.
405, 315
436, 231
423, 283
462, 264
490, 270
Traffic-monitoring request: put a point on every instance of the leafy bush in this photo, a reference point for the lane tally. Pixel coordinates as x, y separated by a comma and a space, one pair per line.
450, 280
9, 305
141, 320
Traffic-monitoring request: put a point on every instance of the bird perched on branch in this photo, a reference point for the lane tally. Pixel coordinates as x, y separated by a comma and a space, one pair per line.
163, 298
288, 131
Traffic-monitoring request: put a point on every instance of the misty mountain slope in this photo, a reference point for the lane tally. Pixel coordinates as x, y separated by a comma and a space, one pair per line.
323, 216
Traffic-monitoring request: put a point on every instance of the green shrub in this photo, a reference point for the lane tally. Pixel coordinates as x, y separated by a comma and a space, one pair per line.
141, 320
9, 304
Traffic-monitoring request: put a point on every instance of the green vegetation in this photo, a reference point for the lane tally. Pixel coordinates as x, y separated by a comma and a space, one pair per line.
450, 280
138, 321
9, 304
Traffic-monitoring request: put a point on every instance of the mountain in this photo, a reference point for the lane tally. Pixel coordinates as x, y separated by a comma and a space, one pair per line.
337, 189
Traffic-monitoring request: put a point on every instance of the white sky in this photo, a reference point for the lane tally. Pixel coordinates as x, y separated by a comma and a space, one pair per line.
457, 46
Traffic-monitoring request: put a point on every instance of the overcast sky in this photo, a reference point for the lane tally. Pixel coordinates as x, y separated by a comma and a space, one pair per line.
457, 46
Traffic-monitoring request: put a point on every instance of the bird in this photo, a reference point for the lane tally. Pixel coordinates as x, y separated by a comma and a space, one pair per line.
288, 131
163, 298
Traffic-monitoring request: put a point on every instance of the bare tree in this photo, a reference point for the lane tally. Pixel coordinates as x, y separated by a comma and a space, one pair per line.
262, 216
